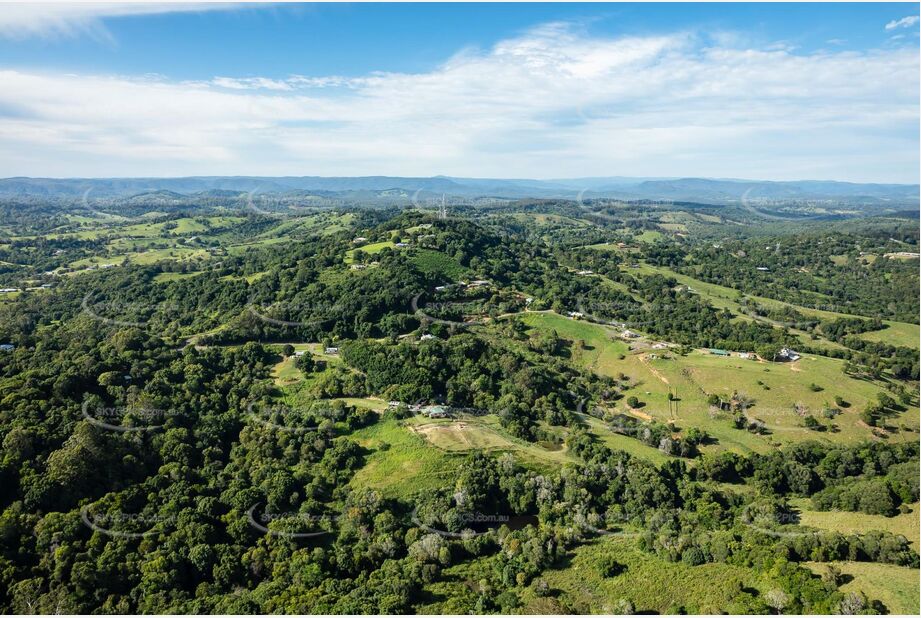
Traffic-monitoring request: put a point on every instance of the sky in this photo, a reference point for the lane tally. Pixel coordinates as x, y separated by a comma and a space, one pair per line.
764, 91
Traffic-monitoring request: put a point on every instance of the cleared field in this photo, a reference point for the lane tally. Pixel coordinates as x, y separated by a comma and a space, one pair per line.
897, 333
435, 262
722, 297
401, 462
773, 389
846, 522
601, 352
286, 372
370, 249
461, 436
167, 277
651, 584
649, 236
469, 433
894, 586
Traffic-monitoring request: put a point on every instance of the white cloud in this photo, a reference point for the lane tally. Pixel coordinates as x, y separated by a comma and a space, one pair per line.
38, 19
905, 22
550, 103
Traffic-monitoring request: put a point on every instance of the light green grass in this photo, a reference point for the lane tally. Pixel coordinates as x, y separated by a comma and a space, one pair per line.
896, 587
846, 522
650, 583
369, 249
167, 277
695, 376
650, 236
401, 462
722, 297
435, 262
469, 433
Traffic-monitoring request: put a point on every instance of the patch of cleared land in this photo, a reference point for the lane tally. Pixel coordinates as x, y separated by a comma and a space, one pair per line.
896, 587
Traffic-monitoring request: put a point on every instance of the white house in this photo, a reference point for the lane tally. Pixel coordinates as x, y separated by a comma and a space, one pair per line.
331, 351
629, 334
426, 337
789, 354
7, 347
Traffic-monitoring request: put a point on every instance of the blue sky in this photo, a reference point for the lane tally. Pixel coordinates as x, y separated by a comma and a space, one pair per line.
491, 90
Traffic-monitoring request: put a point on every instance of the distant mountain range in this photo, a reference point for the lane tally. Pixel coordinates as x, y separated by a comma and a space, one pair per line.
707, 190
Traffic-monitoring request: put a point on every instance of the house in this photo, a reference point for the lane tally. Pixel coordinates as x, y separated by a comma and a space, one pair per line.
585, 272
426, 337
331, 351
401, 244
746, 355
718, 352
437, 412
359, 239
528, 300
478, 283
763, 269
441, 288
7, 347
8, 290
788, 354
358, 266
629, 334
575, 315
298, 353
393, 404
